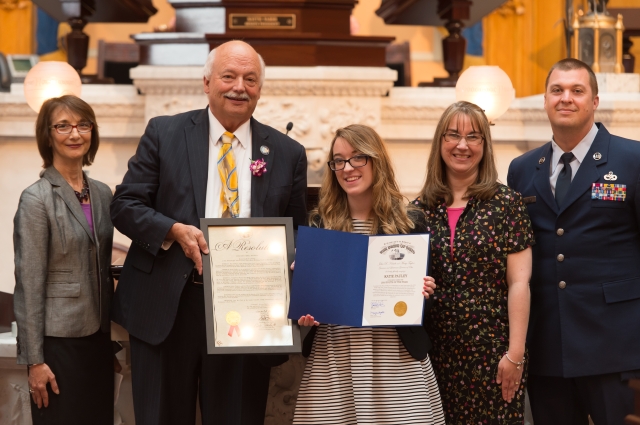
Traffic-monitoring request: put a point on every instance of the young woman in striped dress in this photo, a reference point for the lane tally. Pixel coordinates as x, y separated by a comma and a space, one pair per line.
366, 375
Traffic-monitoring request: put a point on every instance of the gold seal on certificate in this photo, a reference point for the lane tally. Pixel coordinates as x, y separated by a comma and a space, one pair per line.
400, 308
233, 319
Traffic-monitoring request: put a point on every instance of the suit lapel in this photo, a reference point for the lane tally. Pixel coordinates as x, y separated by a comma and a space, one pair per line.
65, 191
260, 185
588, 172
541, 179
197, 139
96, 209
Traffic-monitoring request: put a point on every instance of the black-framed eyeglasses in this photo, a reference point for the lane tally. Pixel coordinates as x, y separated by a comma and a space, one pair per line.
83, 127
471, 138
354, 161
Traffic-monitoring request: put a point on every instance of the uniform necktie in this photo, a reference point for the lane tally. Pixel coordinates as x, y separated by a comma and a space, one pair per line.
564, 178
228, 177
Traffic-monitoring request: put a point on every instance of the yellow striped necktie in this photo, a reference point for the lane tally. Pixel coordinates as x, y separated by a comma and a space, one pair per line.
229, 178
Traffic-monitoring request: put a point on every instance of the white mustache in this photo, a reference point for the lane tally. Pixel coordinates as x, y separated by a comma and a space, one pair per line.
236, 96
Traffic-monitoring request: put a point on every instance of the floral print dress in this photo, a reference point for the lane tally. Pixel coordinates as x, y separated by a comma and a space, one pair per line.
468, 323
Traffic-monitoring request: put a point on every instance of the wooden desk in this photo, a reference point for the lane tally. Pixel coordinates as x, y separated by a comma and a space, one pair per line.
311, 49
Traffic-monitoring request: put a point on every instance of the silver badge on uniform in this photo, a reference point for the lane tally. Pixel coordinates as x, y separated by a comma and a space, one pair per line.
597, 156
610, 177
264, 150
541, 160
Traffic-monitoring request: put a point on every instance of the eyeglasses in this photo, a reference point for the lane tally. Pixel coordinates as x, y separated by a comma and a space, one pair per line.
83, 127
472, 139
355, 162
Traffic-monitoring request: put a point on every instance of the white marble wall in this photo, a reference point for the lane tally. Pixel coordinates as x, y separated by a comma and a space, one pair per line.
318, 100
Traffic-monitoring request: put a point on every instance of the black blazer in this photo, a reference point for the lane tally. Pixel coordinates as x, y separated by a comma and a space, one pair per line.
166, 183
585, 306
414, 338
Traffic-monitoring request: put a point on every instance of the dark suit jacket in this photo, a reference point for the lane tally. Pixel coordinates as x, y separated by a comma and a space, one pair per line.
589, 324
166, 183
63, 288
414, 338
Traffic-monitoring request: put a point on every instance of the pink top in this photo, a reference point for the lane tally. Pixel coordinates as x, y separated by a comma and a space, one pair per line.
86, 209
454, 215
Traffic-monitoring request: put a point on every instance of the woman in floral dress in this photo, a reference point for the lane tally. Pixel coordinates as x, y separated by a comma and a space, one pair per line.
481, 262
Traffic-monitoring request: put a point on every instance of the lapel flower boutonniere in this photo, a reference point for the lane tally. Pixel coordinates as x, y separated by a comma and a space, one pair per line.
258, 167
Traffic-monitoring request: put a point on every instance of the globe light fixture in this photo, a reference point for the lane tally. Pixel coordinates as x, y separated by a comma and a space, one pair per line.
50, 79
489, 87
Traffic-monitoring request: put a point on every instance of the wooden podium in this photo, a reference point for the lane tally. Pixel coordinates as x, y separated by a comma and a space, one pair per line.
301, 33
284, 32
311, 49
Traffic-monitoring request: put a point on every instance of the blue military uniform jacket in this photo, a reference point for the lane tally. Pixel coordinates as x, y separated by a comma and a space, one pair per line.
585, 285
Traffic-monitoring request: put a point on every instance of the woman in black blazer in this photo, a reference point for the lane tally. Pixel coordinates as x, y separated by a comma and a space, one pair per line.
62, 242
366, 375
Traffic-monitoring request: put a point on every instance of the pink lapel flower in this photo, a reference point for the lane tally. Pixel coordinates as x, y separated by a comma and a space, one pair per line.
258, 167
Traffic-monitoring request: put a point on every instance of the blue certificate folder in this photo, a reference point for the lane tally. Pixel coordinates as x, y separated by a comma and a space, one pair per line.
329, 276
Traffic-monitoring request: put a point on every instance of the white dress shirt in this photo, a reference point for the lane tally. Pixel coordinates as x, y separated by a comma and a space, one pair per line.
241, 146
579, 152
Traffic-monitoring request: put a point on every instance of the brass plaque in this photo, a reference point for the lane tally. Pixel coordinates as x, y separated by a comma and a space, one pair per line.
262, 21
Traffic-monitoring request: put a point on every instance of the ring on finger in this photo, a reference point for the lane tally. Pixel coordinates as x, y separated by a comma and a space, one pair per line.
31, 391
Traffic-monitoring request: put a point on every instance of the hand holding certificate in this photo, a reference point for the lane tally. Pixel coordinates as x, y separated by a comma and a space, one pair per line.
247, 284
358, 280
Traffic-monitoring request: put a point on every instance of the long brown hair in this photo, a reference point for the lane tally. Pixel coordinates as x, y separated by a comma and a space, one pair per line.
76, 106
388, 210
435, 187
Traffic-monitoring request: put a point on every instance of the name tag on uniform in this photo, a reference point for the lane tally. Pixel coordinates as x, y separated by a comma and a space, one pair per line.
529, 199
609, 192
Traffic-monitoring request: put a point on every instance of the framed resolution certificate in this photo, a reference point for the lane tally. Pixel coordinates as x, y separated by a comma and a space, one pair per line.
247, 285
360, 280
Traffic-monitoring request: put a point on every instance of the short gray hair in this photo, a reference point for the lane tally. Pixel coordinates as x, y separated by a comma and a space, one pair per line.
208, 65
